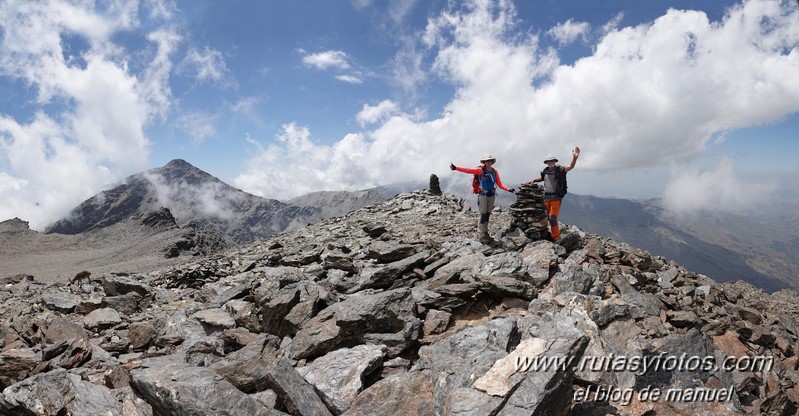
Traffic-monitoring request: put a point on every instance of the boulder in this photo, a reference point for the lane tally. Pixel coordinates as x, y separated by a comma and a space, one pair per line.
60, 392
349, 322
246, 368
407, 393
456, 361
16, 364
294, 392
340, 375
173, 387
60, 302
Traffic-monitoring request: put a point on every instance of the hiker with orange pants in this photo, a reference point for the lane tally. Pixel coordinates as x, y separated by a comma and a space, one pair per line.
554, 178
489, 180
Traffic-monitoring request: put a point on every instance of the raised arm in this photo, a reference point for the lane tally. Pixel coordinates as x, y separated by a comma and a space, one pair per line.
575, 155
473, 171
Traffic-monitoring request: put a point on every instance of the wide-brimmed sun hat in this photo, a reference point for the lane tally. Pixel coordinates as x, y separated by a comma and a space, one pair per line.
488, 157
550, 157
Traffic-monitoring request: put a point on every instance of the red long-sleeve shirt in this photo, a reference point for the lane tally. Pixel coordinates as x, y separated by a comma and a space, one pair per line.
479, 171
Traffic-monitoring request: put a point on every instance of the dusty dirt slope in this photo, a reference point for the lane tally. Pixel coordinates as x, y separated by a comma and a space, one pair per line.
123, 247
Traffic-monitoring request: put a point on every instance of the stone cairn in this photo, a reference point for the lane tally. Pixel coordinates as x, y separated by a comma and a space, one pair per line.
435, 186
528, 213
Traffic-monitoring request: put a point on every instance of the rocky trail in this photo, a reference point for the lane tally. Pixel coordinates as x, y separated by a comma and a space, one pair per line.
396, 308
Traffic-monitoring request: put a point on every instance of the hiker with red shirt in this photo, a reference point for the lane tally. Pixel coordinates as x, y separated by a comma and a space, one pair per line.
489, 180
551, 175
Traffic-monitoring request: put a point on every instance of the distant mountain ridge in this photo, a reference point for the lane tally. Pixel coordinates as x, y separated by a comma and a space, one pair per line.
200, 199
336, 203
723, 246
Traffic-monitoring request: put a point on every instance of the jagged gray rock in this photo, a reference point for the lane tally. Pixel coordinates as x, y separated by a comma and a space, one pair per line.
436, 322
456, 361
16, 364
394, 309
349, 322
60, 302
246, 368
297, 395
59, 392
340, 375
173, 387
104, 317
401, 394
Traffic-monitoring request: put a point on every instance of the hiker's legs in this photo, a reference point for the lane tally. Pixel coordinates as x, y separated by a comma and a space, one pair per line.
485, 204
553, 210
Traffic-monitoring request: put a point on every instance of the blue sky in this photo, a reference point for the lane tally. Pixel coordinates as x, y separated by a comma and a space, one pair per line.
692, 101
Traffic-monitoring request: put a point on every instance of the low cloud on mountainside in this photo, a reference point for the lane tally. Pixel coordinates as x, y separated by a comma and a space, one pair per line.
651, 97
717, 189
52, 163
212, 199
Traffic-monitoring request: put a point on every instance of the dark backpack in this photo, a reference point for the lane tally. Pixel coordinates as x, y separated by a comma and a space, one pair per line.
561, 187
479, 178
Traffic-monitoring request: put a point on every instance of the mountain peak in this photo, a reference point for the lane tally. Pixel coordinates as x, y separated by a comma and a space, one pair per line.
191, 195
178, 163
181, 170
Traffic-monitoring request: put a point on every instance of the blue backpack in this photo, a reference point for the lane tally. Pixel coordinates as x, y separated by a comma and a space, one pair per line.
483, 182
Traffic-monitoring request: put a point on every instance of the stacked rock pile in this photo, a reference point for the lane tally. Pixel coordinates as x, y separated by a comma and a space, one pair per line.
528, 213
435, 185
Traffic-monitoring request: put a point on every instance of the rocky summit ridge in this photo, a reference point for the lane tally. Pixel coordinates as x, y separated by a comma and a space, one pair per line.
396, 308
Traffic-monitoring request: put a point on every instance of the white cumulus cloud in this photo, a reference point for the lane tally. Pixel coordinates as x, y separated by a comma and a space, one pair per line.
349, 78
568, 31
93, 131
373, 113
327, 59
650, 96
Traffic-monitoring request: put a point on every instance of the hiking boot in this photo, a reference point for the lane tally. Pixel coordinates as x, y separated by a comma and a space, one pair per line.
486, 239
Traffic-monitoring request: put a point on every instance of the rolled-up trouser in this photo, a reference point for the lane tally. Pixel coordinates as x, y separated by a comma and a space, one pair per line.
485, 204
553, 210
